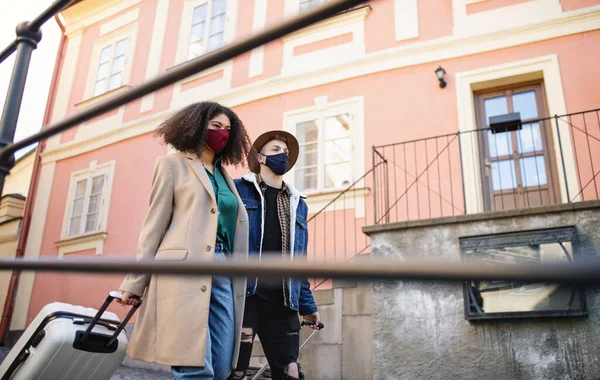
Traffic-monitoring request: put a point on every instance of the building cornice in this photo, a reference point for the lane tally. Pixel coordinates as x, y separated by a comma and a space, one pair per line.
445, 48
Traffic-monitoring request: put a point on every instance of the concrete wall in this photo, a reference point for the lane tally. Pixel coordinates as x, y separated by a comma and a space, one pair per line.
419, 329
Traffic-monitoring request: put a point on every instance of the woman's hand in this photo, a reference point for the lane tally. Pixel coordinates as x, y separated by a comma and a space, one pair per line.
128, 299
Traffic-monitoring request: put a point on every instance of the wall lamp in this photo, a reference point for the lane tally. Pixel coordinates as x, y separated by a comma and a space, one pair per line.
440, 75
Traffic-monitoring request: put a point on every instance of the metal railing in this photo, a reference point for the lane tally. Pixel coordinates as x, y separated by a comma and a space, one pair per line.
28, 36
580, 272
335, 230
548, 161
25, 43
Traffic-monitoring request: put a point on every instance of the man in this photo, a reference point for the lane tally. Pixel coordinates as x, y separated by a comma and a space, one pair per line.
277, 216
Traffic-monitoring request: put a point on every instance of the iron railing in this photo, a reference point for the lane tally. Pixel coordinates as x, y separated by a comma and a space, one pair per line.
414, 269
335, 230
548, 161
194, 66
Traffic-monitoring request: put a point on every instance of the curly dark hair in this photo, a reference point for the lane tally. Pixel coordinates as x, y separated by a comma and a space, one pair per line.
186, 131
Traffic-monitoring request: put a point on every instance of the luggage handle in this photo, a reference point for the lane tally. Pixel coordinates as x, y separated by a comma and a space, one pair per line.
111, 297
307, 322
85, 321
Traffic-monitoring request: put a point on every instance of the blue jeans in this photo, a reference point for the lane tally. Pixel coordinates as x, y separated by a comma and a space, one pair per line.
220, 336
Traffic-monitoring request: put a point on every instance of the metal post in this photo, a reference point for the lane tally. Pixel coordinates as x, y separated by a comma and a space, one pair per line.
387, 190
562, 158
462, 174
374, 186
26, 41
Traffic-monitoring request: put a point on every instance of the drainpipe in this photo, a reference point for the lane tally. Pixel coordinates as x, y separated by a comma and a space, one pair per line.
11, 295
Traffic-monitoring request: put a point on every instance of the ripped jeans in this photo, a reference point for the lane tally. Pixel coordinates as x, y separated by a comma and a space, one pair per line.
277, 327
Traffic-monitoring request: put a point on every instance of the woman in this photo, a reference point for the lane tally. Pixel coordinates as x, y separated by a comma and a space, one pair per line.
193, 324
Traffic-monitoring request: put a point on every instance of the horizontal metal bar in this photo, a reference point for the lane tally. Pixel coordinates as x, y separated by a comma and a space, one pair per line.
185, 70
11, 48
423, 139
580, 272
35, 25
344, 192
483, 130
48, 14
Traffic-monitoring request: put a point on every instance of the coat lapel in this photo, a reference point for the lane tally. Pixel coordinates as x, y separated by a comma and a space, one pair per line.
196, 164
242, 215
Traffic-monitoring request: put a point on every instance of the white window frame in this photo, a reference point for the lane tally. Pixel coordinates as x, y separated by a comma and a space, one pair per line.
110, 63
354, 107
207, 21
318, 2
186, 25
292, 7
128, 31
544, 68
92, 239
87, 195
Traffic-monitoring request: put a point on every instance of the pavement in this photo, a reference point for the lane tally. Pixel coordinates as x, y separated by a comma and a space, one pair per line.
123, 373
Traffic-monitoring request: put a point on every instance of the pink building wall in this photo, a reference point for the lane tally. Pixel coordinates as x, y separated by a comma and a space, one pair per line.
399, 105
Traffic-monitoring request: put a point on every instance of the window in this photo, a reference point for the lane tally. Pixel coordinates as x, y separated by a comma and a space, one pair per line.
111, 67
306, 5
207, 28
505, 299
86, 205
325, 155
331, 140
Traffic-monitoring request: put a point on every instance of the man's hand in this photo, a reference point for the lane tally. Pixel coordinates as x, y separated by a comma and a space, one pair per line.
129, 299
313, 317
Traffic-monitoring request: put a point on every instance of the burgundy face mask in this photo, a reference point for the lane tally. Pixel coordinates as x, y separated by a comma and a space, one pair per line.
217, 139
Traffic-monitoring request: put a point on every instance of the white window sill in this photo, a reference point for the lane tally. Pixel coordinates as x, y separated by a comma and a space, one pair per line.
90, 241
101, 97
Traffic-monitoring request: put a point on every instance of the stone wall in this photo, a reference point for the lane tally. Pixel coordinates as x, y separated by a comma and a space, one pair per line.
419, 328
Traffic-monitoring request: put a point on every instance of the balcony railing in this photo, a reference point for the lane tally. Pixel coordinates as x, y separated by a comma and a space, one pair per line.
335, 229
545, 162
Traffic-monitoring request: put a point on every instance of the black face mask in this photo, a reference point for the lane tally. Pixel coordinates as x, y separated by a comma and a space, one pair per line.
278, 163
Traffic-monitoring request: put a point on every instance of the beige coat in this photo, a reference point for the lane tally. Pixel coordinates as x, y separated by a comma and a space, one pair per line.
181, 224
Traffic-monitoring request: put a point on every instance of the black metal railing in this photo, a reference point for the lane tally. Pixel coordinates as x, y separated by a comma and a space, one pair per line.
546, 161
29, 35
579, 272
335, 230
194, 66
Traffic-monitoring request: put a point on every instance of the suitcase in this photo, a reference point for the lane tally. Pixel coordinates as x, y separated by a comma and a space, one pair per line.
69, 343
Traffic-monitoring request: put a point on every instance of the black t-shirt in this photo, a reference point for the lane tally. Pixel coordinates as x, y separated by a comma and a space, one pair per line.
271, 289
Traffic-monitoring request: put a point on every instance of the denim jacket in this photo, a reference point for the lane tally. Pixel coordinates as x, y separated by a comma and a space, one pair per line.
300, 296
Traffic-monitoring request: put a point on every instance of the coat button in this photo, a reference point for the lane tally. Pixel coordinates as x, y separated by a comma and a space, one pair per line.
203, 288
214, 210
208, 247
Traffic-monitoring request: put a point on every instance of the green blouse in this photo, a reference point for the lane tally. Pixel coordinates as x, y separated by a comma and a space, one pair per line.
227, 205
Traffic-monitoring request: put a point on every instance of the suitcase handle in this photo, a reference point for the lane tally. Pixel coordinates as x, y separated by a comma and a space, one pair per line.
307, 322
111, 297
